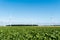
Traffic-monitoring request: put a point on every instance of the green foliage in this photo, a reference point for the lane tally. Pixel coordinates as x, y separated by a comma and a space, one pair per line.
29, 33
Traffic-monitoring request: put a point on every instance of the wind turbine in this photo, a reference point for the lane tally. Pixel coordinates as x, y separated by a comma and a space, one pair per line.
10, 20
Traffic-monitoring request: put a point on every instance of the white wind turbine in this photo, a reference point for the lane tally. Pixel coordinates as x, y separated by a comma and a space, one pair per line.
10, 20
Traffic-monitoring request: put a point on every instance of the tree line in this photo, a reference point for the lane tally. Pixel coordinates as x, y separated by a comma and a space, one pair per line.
22, 25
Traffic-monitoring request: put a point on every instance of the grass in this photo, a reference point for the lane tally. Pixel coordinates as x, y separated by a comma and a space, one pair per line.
30, 33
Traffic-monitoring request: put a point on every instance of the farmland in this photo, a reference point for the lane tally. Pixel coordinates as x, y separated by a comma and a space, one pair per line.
29, 33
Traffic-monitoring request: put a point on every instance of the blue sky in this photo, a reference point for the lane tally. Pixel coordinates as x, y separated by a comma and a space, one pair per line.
42, 12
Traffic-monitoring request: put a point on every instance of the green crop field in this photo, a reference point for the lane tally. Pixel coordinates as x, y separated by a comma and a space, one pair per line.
29, 33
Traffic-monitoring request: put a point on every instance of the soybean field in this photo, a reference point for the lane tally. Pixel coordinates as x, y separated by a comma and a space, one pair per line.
29, 33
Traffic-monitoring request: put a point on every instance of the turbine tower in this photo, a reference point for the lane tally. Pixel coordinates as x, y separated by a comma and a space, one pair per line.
10, 20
